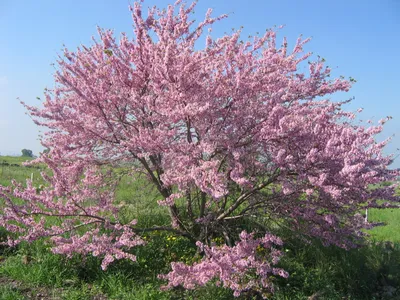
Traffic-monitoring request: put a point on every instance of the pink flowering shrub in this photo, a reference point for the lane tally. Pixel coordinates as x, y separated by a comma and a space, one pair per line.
241, 268
227, 133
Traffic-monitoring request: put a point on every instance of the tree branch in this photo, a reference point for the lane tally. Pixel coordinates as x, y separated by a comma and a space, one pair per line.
246, 195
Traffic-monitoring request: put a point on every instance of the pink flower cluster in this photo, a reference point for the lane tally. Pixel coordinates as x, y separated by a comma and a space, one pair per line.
247, 266
74, 210
232, 131
110, 246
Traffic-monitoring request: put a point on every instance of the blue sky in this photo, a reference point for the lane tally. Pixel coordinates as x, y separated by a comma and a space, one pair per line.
358, 38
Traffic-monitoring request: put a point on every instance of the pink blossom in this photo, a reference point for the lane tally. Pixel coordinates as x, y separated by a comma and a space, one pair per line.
234, 130
232, 266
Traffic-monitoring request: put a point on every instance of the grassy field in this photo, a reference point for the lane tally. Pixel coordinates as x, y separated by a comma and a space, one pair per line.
31, 271
11, 168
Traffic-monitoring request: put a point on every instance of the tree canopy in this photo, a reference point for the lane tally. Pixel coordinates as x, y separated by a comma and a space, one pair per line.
27, 152
230, 132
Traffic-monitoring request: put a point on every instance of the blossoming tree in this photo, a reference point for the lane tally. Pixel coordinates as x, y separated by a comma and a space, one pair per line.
230, 132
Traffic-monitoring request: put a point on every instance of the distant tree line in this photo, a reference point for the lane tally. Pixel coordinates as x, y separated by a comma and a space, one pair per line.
27, 153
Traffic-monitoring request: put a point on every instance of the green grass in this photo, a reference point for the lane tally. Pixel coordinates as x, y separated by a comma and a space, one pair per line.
31, 270
12, 168
139, 201
356, 274
14, 159
361, 273
390, 231
7, 292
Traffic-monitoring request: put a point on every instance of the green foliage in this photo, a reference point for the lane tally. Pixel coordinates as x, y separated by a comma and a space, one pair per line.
27, 153
334, 273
